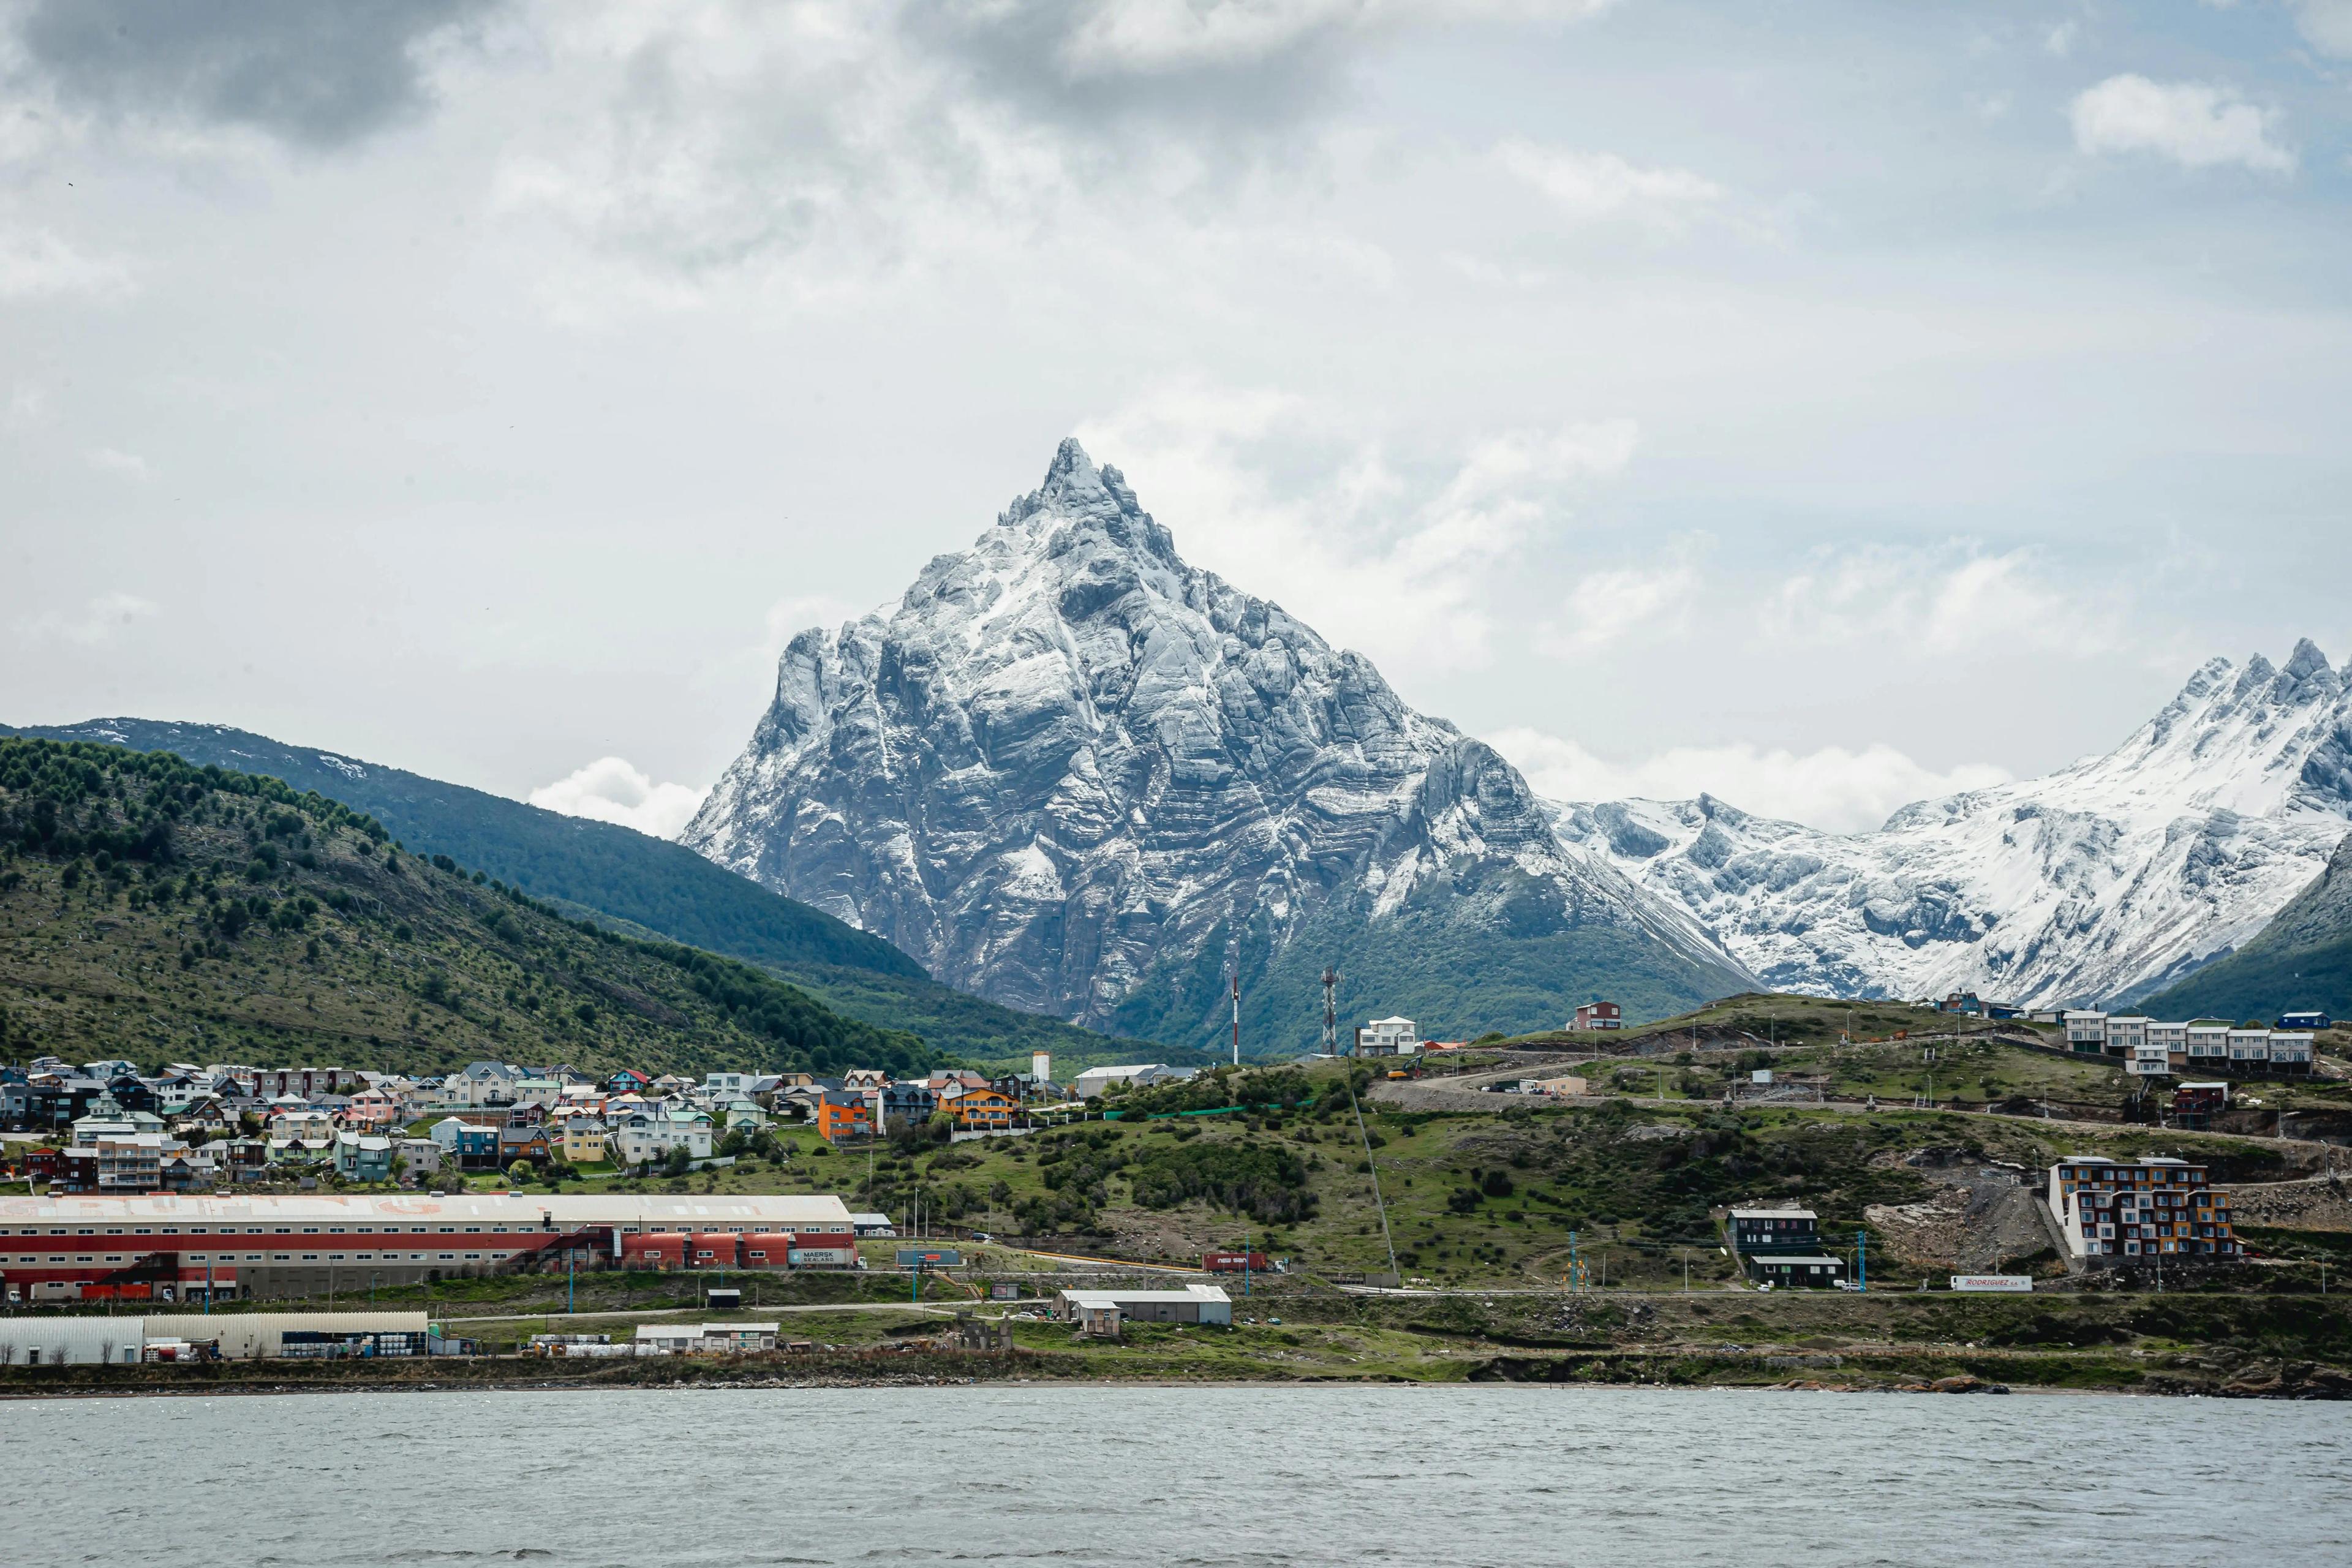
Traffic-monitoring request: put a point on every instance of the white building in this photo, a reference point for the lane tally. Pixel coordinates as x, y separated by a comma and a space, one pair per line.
2126, 1036
1192, 1304
2085, 1031
649, 1135
1094, 1080
1388, 1037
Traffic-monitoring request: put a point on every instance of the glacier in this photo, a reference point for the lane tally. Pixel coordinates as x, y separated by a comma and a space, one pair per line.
2099, 883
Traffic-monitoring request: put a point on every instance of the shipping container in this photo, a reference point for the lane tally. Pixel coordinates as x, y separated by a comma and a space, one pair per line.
1232, 1262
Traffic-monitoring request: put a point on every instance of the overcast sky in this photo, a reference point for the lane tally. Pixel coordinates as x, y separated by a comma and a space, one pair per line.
1821, 405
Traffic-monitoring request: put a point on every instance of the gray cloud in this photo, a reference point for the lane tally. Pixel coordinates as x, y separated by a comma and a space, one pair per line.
322, 75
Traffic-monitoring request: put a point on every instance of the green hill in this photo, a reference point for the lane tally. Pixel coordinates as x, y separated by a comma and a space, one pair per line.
154, 910
640, 885
2302, 959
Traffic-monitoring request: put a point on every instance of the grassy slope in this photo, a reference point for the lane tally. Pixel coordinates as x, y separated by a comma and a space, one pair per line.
152, 912
643, 885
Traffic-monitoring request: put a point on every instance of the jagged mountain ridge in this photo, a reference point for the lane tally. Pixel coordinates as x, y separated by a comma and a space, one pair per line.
1067, 769
2301, 959
2100, 882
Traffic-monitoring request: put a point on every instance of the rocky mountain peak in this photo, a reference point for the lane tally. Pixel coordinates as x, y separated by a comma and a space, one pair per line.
1068, 771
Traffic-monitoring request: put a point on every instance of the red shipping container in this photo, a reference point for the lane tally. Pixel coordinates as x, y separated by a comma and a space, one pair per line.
1232, 1262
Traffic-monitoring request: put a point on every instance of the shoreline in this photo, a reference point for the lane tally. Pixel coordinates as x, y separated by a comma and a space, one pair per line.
2287, 1381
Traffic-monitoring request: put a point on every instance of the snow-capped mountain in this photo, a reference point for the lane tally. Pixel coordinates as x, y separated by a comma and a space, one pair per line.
2103, 881
1066, 763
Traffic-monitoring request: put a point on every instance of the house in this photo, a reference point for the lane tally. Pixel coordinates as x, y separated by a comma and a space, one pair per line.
1775, 1230
741, 1112
628, 1081
541, 1092
723, 1086
528, 1142
482, 1083
866, 1225
362, 1156
1192, 1304
372, 1108
843, 1114
582, 1140
419, 1158
647, 1137
2196, 1104
1597, 1014
907, 1105
983, 1110
2153, 1207
1811, 1271
2308, 1021
1567, 1083
1388, 1037
472, 1145
2086, 1032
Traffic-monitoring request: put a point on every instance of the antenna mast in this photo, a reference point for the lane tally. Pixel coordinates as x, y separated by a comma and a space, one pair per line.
1330, 1012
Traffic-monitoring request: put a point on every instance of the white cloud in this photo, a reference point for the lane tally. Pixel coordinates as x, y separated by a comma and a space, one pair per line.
1603, 185
2195, 124
1396, 567
2059, 39
36, 265
1945, 600
1145, 37
612, 790
108, 460
1609, 605
97, 624
1833, 789
27, 406
2326, 25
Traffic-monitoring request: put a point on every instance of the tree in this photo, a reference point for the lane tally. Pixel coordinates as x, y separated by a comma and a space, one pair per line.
521, 1172
678, 1160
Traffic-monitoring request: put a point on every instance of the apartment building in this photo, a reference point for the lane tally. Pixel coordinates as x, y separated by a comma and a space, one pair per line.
1388, 1037
2151, 1047
2152, 1207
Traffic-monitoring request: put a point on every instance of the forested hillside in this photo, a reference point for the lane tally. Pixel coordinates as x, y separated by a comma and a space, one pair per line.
154, 910
641, 886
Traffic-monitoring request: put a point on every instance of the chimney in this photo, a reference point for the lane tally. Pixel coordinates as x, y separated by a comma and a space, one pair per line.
1041, 1066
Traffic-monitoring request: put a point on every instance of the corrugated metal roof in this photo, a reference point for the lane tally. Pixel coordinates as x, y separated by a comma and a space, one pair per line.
783, 1211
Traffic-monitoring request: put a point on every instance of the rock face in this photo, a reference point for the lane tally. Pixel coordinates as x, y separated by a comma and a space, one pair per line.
2301, 961
1071, 774
2102, 882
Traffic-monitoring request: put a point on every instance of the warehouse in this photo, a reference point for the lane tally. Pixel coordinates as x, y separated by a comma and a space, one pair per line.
168, 1247
242, 1336
1192, 1304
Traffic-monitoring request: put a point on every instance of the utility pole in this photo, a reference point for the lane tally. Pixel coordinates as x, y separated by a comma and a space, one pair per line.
1685, 1270
1861, 1260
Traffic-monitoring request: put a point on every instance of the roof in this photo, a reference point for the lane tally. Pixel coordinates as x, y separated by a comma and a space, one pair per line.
1781, 1258
695, 1211
1774, 1213
1115, 1298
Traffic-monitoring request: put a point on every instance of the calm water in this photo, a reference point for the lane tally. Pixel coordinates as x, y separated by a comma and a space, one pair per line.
1408, 1476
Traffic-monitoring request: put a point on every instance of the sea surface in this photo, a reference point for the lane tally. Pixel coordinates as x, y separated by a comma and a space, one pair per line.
1419, 1477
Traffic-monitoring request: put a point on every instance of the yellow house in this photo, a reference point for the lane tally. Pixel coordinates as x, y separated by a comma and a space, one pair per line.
582, 1142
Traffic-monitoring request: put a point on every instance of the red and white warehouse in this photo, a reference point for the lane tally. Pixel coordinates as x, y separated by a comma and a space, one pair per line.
168, 1246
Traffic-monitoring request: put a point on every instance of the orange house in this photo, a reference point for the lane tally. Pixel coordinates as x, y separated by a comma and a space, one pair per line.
984, 1108
842, 1115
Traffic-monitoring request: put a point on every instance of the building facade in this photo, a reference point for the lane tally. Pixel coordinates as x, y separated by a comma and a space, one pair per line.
2149, 1207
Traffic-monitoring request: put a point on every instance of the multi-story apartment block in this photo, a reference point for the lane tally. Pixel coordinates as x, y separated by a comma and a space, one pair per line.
2086, 1032
2126, 1035
2208, 1043
2149, 1207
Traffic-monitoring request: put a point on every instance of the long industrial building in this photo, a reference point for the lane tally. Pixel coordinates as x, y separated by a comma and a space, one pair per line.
164, 1247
